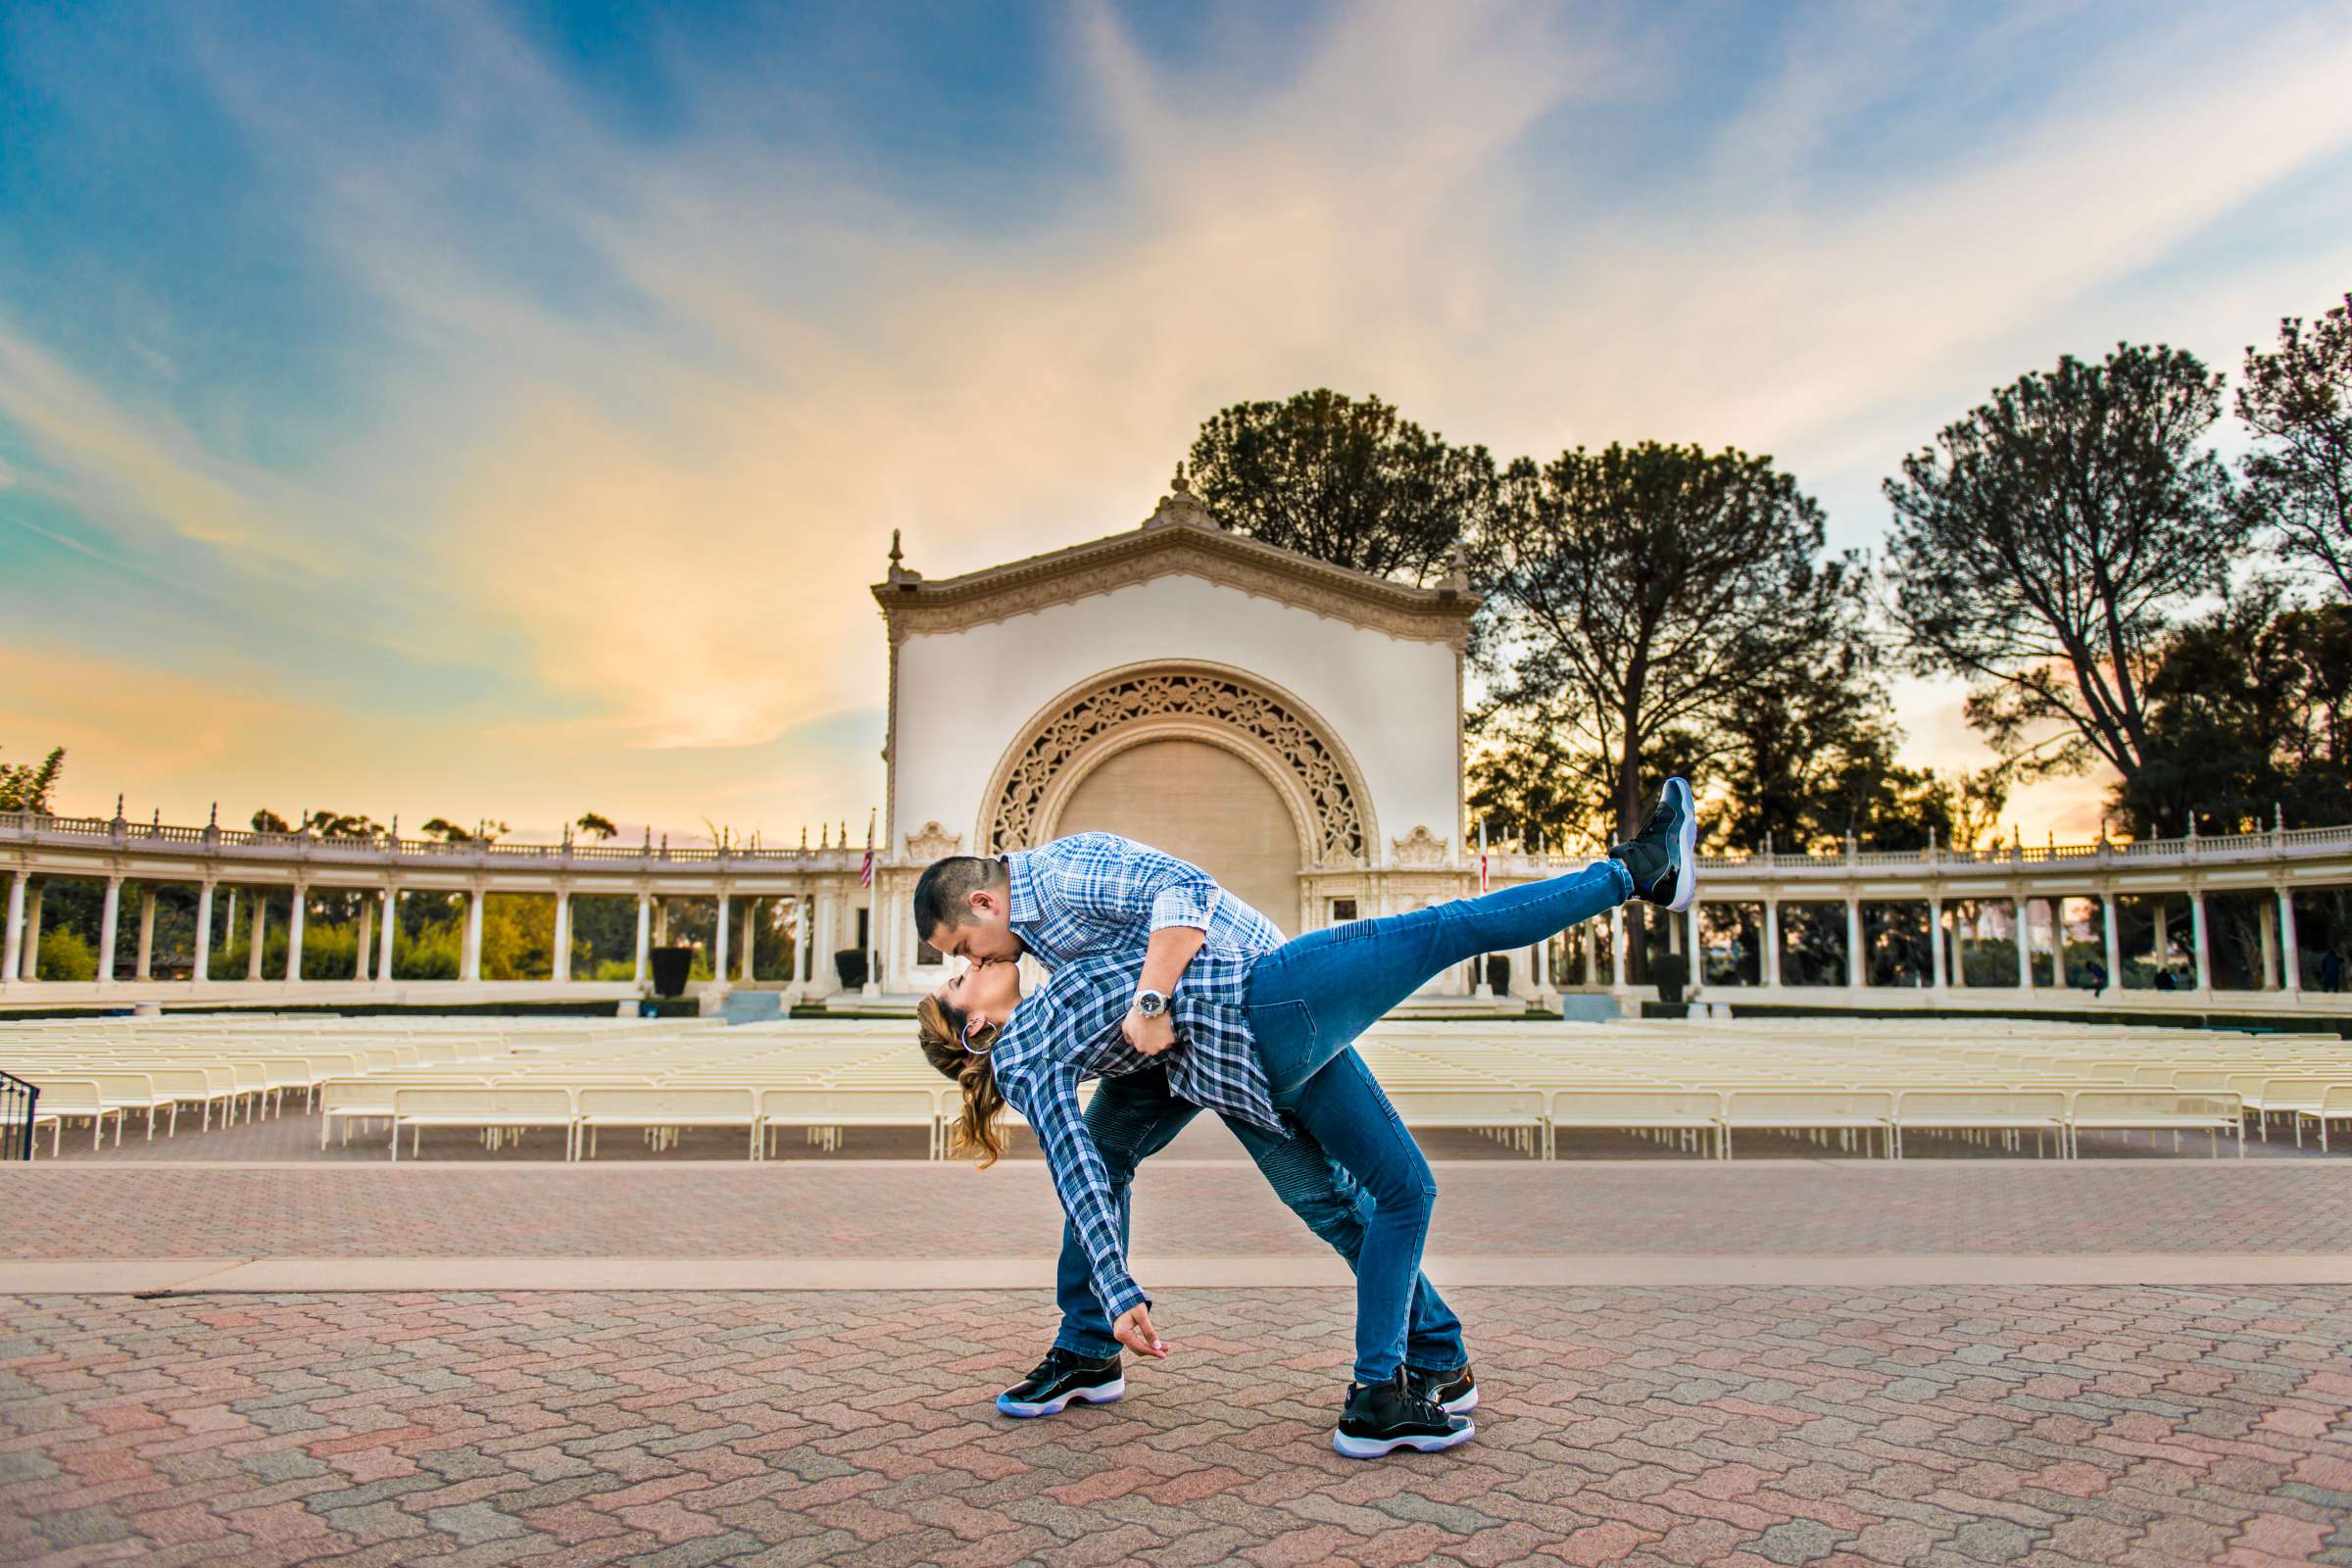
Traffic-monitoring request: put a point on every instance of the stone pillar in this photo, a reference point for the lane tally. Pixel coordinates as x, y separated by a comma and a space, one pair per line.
1591, 948
559, 961
297, 908
826, 982
645, 902
1857, 975
1958, 974
1697, 948
144, 966
2114, 943
2024, 908
365, 940
469, 968
200, 968
660, 921
2270, 956
12, 937
385, 938
1617, 947
720, 948
110, 921
2196, 937
1771, 970
751, 935
261, 934
2290, 949
30, 967
1936, 966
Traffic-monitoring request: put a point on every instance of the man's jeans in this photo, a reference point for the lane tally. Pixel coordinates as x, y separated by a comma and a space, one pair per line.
1308, 1000
1134, 1117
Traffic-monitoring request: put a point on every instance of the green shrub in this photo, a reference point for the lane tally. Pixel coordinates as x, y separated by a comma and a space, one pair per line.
65, 955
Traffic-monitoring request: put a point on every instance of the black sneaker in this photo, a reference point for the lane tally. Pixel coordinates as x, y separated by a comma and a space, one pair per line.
1381, 1417
1664, 858
1063, 1376
1452, 1391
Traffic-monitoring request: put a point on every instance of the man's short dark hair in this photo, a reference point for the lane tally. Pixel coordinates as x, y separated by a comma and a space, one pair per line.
944, 894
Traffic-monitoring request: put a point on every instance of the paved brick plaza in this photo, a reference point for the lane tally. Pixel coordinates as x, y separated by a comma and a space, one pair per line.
1780, 1426
1832, 1421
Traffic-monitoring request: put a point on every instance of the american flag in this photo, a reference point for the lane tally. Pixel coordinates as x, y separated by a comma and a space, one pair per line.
866, 871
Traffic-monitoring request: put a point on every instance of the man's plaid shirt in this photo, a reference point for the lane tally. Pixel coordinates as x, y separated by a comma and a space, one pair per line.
1087, 906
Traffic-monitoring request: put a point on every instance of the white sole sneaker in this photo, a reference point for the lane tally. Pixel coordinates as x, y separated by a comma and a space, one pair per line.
1377, 1447
1107, 1393
1462, 1404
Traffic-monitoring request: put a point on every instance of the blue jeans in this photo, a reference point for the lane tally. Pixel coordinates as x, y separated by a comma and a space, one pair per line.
1135, 1116
1308, 1000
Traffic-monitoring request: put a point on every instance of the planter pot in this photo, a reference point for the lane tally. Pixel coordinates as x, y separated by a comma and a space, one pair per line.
850, 964
670, 967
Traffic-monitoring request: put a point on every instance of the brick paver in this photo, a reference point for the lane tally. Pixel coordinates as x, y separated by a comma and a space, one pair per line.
2033, 1425
1183, 1208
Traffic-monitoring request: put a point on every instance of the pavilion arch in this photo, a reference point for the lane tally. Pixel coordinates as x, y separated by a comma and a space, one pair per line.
1280, 738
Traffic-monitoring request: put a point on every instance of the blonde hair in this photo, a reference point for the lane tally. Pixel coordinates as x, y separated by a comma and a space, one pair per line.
939, 1029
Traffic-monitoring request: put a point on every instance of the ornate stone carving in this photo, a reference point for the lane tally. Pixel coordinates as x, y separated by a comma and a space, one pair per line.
1418, 848
1336, 823
933, 842
1180, 538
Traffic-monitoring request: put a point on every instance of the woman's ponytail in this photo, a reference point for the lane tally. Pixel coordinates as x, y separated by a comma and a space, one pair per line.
940, 1030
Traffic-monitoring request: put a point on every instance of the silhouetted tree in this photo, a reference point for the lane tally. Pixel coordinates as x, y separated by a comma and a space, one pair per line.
2042, 544
26, 786
2297, 400
1343, 481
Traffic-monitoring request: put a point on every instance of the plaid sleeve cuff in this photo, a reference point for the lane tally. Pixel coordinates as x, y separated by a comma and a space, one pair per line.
1184, 906
1124, 1294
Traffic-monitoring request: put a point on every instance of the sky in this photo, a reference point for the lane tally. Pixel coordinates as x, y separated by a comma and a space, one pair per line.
501, 410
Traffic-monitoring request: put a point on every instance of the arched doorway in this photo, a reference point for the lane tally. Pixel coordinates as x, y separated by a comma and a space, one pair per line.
1201, 802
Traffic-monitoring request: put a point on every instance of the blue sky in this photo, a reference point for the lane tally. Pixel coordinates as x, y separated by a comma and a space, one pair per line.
486, 409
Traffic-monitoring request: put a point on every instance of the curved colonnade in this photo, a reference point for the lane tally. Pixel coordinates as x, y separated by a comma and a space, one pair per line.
1915, 926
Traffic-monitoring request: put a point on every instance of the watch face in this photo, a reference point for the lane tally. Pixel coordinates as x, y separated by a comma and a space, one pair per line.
1151, 1003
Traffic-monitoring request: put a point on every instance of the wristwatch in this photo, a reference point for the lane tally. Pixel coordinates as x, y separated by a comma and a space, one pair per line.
1151, 1003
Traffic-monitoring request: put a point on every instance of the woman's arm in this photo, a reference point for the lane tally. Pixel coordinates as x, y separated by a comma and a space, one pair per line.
1048, 1095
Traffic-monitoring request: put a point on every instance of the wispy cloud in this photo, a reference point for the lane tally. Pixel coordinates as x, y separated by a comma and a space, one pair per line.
649, 408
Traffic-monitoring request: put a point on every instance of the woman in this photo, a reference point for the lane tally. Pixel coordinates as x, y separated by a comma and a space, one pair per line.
1264, 1037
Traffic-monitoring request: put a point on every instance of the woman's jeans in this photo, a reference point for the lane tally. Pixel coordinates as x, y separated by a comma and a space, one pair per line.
1134, 1117
1308, 1000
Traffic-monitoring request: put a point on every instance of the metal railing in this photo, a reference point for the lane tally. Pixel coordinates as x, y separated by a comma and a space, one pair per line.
19, 1102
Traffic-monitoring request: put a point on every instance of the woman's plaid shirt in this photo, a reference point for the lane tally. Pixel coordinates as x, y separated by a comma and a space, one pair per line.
1087, 906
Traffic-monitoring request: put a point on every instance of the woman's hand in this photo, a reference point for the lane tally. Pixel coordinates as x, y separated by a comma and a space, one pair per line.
1134, 1330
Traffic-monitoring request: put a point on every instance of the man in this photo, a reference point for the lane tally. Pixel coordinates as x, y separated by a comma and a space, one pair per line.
1096, 892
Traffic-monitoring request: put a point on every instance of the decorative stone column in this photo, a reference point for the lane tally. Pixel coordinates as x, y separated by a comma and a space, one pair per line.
30, 968
1617, 947
1696, 948
2023, 908
143, 967
12, 944
298, 908
2290, 949
365, 940
2196, 937
385, 937
2114, 943
1936, 966
559, 961
200, 968
751, 935
2270, 957
720, 948
469, 968
644, 929
110, 920
827, 982
1857, 976
1771, 971
261, 934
